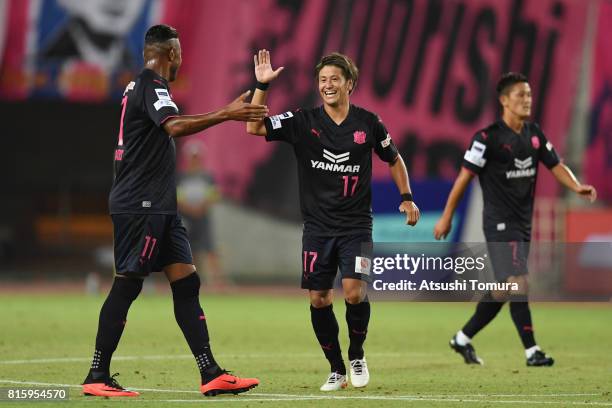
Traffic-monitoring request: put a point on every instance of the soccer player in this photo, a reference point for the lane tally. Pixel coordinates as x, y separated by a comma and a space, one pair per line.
505, 156
148, 233
333, 145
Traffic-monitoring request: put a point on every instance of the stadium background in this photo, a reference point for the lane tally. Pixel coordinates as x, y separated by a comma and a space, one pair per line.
428, 68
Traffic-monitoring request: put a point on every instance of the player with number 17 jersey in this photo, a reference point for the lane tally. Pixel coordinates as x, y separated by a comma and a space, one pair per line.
334, 165
333, 146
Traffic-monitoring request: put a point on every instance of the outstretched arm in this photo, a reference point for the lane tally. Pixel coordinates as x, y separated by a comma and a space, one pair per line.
399, 173
565, 176
443, 226
239, 110
264, 74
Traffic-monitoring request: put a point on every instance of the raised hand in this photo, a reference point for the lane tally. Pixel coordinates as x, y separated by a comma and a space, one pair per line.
243, 111
263, 67
411, 211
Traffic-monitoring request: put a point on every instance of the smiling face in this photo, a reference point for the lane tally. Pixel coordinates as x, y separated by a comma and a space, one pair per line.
334, 88
517, 100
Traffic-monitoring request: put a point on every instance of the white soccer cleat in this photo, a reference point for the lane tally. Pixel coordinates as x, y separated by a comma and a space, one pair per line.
335, 382
360, 376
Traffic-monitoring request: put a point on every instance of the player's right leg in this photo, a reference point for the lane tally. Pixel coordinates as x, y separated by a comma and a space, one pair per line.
132, 238
319, 266
488, 307
486, 310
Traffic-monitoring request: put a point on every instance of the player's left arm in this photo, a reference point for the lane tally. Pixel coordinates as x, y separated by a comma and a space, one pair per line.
565, 176
399, 173
387, 152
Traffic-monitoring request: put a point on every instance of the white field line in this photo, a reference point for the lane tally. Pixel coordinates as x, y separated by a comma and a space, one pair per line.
189, 356
407, 400
254, 397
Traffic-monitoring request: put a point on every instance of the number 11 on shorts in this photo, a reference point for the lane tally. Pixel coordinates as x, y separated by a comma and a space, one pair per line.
148, 240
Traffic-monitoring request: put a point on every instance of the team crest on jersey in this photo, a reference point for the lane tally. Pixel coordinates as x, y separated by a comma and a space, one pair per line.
535, 142
359, 137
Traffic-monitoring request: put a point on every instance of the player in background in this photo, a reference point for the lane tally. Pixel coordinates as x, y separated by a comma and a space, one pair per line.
333, 144
505, 157
197, 194
148, 233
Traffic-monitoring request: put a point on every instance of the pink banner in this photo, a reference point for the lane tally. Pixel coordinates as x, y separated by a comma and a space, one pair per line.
428, 68
598, 155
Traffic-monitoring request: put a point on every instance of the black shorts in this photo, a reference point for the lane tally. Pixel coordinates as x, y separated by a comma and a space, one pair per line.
146, 243
509, 253
323, 256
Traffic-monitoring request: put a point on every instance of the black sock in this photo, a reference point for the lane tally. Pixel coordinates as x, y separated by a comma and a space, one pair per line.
521, 316
357, 319
192, 321
486, 310
326, 329
112, 322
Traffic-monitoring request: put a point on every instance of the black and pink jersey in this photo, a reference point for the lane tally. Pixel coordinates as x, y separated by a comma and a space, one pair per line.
334, 166
507, 165
145, 156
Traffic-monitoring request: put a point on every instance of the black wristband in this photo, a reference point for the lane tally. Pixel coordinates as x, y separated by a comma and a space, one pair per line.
262, 86
407, 197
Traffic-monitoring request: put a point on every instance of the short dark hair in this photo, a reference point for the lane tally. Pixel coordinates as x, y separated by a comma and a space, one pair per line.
160, 34
348, 67
509, 79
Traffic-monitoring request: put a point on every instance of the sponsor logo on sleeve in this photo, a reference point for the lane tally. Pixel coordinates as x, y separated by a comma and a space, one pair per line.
276, 119
476, 154
386, 142
163, 94
549, 146
164, 103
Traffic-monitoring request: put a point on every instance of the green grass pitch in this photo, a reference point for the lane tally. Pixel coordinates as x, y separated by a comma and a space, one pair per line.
271, 338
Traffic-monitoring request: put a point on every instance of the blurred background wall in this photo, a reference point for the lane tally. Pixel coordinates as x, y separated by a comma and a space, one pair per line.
428, 68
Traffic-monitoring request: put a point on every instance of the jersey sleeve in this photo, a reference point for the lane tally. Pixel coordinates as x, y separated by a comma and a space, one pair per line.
475, 158
284, 127
546, 151
158, 103
383, 144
